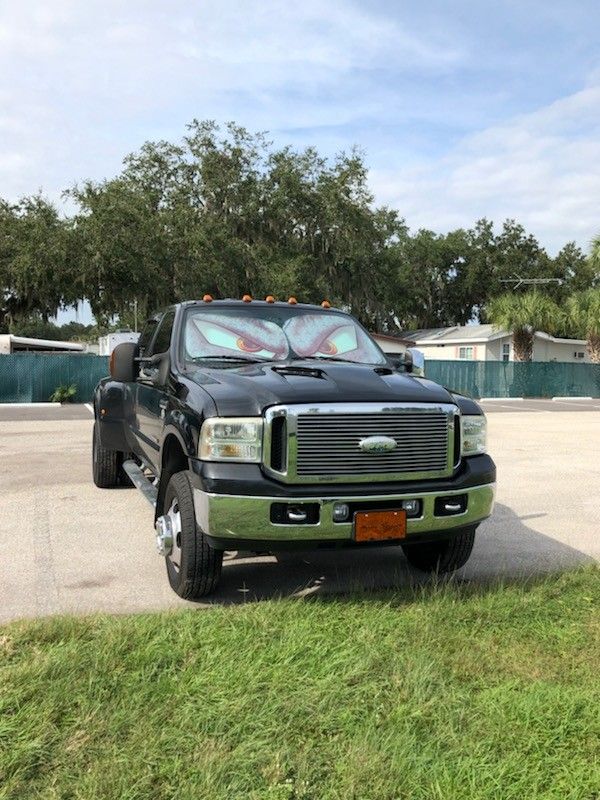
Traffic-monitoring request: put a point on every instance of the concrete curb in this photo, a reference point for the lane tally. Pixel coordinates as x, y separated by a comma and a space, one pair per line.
572, 399
501, 399
30, 405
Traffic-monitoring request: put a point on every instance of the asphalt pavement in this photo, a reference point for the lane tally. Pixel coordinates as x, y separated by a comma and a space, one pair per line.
40, 412
70, 547
554, 406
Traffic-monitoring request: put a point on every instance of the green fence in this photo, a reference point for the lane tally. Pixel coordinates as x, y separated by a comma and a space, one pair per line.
32, 377
515, 379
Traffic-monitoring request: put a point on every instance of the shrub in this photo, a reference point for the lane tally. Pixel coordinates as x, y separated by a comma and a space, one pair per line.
63, 394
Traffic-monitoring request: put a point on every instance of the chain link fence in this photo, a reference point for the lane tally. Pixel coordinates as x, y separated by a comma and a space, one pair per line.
516, 379
32, 377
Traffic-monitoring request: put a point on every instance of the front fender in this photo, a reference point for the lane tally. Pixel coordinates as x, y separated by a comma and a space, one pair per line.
178, 448
185, 426
466, 404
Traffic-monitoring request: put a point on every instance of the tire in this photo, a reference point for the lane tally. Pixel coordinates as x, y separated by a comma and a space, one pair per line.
199, 568
105, 463
444, 556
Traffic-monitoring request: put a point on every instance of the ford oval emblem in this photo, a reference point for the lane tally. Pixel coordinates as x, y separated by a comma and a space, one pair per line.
377, 444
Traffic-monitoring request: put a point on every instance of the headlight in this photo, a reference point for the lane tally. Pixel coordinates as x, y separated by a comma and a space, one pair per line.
473, 434
231, 439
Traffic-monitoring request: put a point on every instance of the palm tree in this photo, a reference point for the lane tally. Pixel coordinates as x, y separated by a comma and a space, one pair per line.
523, 315
594, 256
583, 313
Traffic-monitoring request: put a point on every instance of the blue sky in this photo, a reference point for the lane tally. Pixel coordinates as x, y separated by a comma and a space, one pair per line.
464, 109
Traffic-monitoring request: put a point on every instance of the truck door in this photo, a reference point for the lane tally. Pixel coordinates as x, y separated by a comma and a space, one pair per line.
151, 398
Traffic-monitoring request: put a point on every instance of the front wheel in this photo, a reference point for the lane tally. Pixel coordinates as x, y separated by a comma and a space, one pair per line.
193, 567
444, 556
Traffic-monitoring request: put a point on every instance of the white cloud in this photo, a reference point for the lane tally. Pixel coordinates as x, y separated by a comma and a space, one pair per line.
332, 36
85, 83
82, 84
12, 162
541, 168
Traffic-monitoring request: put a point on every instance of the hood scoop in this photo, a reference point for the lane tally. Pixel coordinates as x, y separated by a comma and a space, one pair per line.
303, 372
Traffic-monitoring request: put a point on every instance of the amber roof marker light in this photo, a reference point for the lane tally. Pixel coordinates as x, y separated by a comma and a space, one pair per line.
247, 298
207, 298
292, 301
269, 298
326, 304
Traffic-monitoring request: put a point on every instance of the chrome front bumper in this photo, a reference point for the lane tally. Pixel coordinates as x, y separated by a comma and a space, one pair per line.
242, 517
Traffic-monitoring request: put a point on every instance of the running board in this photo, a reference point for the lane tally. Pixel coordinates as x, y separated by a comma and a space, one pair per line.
141, 482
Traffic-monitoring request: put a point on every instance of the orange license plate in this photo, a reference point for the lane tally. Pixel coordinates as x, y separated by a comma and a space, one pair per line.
378, 526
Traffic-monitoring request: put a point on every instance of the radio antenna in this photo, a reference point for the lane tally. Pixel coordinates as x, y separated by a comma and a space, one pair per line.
532, 281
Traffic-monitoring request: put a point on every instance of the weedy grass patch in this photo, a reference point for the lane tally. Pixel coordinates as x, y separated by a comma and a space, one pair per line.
432, 693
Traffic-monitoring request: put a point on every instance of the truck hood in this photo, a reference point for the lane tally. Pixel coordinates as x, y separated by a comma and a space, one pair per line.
248, 390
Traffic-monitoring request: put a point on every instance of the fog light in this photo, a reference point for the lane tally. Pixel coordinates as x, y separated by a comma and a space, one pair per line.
340, 512
411, 507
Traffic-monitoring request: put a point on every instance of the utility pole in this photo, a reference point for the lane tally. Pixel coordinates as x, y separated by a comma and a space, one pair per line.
135, 315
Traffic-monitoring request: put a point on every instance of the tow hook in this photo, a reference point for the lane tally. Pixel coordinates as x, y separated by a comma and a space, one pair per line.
164, 536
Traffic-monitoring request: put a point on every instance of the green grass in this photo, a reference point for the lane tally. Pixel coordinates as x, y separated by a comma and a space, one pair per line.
433, 694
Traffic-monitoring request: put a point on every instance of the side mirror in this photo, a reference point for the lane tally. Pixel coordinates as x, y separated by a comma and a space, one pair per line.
397, 360
159, 365
412, 360
415, 361
123, 362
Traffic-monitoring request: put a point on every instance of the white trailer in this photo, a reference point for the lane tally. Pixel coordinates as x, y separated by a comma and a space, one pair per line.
106, 344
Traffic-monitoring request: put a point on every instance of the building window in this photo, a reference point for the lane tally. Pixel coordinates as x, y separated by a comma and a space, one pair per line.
465, 353
578, 354
506, 352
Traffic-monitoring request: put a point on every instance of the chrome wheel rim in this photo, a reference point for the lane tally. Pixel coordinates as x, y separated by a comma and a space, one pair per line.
174, 517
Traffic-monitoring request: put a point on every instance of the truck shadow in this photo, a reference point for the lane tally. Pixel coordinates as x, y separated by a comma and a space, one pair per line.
505, 550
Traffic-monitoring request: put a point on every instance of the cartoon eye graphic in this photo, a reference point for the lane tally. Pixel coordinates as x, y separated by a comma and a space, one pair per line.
248, 345
328, 348
266, 343
342, 340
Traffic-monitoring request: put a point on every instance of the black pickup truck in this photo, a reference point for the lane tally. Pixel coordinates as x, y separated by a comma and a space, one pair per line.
263, 425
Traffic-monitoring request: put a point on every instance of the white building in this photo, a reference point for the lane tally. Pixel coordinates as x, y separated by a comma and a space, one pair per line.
487, 343
392, 344
25, 344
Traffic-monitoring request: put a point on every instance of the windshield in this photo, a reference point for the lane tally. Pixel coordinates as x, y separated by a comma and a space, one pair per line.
276, 334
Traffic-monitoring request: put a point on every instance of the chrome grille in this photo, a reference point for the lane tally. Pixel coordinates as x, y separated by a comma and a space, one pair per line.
323, 442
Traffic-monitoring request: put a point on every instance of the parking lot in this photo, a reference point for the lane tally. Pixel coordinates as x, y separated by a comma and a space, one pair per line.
69, 547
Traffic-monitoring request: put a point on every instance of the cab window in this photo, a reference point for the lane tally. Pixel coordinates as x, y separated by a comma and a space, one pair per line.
162, 340
147, 334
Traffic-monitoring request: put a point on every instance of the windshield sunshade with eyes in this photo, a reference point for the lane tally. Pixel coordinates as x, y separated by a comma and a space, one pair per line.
299, 335
215, 335
312, 335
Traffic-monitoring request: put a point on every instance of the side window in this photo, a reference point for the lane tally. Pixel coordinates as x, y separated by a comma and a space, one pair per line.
147, 334
162, 340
